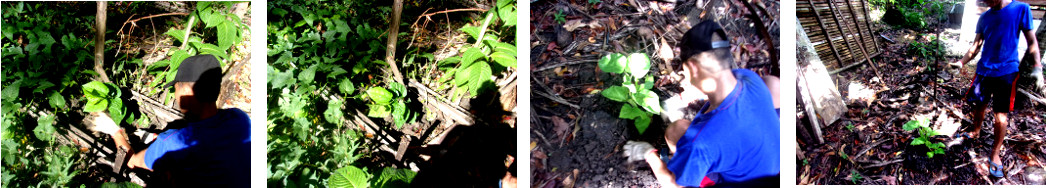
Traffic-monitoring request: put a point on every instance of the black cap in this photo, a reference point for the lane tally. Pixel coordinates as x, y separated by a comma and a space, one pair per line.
198, 68
699, 39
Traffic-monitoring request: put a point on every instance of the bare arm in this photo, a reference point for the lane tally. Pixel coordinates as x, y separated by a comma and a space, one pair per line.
664, 177
974, 50
1033, 47
138, 160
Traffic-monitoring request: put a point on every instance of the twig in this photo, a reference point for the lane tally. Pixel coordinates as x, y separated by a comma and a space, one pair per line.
134, 23
882, 164
565, 64
428, 17
557, 99
188, 29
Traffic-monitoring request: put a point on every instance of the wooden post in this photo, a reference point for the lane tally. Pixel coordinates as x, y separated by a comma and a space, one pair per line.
827, 36
867, 22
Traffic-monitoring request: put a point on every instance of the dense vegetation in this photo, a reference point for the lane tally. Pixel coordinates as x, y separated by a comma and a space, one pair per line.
327, 66
49, 85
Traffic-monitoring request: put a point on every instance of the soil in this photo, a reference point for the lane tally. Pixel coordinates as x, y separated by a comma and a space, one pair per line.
875, 150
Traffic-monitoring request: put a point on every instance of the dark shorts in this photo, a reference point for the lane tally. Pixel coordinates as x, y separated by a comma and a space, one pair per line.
999, 90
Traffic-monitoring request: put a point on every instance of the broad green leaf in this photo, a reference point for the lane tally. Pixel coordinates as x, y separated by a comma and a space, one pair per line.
346, 86
333, 113
929, 154
176, 34
648, 82
918, 141
116, 110
470, 56
478, 74
629, 111
642, 122
398, 89
96, 104
228, 34
306, 76
616, 93
648, 100
508, 15
394, 177
613, 63
472, 31
399, 113
10, 92
502, 47
504, 59
96, 89
638, 64
45, 127
378, 111
379, 95
349, 177
56, 100
205, 48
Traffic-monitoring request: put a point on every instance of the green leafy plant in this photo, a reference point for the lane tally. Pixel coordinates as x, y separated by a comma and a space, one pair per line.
636, 87
385, 103
104, 97
930, 51
560, 17
850, 127
854, 176
353, 177
476, 64
925, 135
843, 155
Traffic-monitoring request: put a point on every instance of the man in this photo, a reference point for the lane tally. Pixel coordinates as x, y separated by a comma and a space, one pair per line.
998, 31
212, 149
735, 138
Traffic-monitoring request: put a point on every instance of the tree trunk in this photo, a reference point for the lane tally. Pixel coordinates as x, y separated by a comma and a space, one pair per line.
390, 48
99, 42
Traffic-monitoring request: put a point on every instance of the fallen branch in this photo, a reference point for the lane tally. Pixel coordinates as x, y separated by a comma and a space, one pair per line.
1031, 96
883, 163
565, 64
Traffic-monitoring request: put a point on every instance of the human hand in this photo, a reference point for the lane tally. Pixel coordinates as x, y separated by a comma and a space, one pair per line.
958, 65
1036, 73
637, 150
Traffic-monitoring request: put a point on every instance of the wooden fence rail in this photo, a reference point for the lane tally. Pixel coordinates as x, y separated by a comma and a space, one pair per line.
839, 29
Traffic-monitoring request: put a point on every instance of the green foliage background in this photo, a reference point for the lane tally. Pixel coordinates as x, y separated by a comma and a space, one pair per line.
47, 56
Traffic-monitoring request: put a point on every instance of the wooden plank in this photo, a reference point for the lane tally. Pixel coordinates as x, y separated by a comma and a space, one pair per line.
822, 100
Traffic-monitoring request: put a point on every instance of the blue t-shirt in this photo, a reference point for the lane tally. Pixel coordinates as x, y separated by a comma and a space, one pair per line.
214, 152
1001, 30
737, 142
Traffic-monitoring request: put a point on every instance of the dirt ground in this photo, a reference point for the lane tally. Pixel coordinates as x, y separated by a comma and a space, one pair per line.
868, 145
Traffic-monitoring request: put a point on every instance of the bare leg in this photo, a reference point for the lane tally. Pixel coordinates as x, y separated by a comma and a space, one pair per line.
978, 118
674, 132
1000, 134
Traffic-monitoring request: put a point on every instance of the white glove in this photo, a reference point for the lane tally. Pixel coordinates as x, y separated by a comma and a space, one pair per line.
635, 150
103, 123
1036, 73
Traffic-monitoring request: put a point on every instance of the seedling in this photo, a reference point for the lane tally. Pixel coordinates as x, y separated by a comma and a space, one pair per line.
925, 132
560, 17
854, 176
635, 90
850, 126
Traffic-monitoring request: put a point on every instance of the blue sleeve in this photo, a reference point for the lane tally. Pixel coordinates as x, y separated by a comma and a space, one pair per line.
1025, 17
171, 140
980, 25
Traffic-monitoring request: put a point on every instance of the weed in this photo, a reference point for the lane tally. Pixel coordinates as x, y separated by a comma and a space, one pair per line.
560, 17
925, 134
635, 90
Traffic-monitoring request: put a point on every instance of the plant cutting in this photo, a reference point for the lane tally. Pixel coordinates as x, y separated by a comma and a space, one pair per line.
636, 87
925, 133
